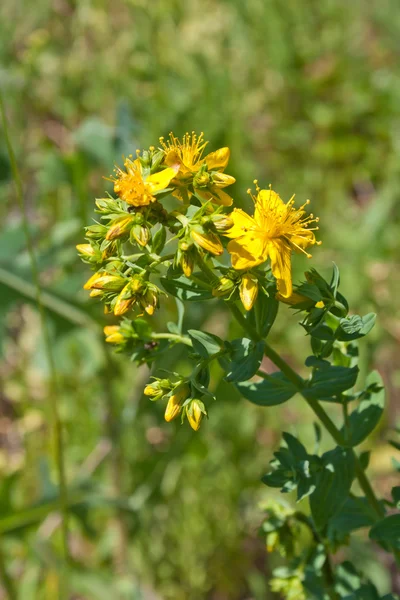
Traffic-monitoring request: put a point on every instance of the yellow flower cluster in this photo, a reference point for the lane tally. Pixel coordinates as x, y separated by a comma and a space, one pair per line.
126, 247
180, 168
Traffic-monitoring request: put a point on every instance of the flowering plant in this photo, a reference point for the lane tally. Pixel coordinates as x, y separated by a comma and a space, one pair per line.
133, 271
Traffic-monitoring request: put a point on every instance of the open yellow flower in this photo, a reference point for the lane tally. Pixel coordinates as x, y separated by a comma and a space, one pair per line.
137, 189
187, 155
275, 230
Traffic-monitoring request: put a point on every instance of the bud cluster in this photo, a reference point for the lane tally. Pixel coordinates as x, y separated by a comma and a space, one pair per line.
180, 400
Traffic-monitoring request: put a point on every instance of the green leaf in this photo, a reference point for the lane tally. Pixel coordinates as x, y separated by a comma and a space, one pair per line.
354, 514
322, 332
328, 382
366, 417
265, 311
245, 359
366, 592
333, 485
387, 531
274, 389
354, 327
205, 344
396, 495
185, 289
159, 239
142, 328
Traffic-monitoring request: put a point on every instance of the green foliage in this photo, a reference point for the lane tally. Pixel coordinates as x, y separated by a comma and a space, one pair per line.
273, 389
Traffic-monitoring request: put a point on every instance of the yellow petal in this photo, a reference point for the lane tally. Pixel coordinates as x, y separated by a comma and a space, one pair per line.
208, 241
303, 240
268, 202
216, 195
159, 181
220, 197
248, 290
242, 223
245, 256
217, 160
280, 254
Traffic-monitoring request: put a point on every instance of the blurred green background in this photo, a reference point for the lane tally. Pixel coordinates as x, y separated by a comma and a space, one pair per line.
307, 95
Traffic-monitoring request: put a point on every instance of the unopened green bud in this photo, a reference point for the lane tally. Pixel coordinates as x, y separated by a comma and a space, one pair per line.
224, 287
96, 231
88, 253
202, 179
107, 205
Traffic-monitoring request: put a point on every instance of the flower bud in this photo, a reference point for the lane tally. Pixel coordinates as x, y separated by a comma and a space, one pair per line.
201, 179
184, 246
107, 205
140, 234
85, 250
113, 334
152, 389
224, 287
187, 264
175, 402
90, 282
96, 293
248, 290
157, 389
222, 222
119, 227
222, 180
149, 300
96, 231
124, 301
109, 249
194, 413
208, 241
137, 284
111, 283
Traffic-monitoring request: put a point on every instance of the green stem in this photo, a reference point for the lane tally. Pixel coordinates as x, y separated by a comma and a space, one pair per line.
182, 339
318, 410
206, 269
56, 421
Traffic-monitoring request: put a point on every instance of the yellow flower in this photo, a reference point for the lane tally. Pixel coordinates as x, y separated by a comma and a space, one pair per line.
248, 290
137, 189
187, 155
275, 230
